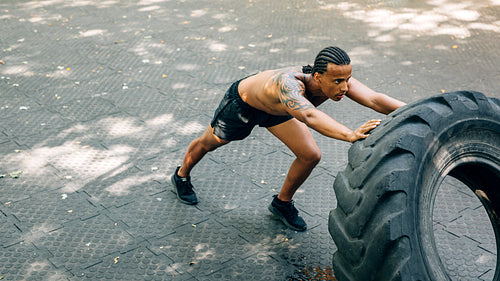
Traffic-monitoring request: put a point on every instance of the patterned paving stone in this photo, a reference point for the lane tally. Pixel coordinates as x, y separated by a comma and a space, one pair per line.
122, 186
3, 138
239, 152
463, 259
224, 191
271, 171
14, 102
204, 248
293, 248
86, 109
258, 225
333, 154
165, 113
29, 123
28, 181
84, 243
129, 265
136, 97
260, 266
161, 215
9, 149
316, 196
56, 207
9, 231
24, 262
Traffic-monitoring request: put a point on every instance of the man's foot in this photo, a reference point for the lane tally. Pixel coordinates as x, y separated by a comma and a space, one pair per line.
184, 189
288, 214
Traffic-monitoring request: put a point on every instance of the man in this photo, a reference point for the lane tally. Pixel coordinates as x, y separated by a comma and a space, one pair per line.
284, 101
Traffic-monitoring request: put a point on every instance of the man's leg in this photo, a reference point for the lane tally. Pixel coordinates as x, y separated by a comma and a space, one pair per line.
197, 149
298, 138
195, 152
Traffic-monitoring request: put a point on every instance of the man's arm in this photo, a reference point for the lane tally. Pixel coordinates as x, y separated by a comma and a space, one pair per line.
377, 101
292, 97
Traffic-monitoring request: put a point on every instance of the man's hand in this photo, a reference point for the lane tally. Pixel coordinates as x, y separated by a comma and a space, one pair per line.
360, 133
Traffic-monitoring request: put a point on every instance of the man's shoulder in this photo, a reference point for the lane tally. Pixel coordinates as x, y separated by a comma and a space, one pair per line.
288, 70
288, 75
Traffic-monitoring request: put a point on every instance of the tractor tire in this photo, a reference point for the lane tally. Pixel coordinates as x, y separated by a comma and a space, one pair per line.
383, 222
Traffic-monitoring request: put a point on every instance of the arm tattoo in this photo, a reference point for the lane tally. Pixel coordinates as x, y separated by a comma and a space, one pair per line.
292, 93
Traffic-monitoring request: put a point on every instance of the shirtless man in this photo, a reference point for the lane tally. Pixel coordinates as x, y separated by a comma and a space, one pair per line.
284, 101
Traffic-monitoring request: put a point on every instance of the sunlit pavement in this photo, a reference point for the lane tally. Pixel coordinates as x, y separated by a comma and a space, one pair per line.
99, 100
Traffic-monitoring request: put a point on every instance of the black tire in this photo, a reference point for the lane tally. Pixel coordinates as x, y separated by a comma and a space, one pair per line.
382, 225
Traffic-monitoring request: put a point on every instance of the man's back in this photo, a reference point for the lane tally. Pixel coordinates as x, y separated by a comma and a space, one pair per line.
262, 90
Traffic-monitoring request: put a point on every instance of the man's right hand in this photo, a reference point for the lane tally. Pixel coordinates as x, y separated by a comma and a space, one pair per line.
361, 132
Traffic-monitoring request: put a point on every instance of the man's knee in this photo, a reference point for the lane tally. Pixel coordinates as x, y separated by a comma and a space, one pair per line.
312, 157
210, 142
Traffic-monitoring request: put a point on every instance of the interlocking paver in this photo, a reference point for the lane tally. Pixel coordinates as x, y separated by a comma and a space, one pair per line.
99, 100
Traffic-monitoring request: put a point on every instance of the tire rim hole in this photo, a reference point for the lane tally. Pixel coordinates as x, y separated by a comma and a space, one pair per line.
463, 232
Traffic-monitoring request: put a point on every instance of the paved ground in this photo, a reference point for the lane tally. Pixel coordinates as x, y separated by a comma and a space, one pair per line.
99, 99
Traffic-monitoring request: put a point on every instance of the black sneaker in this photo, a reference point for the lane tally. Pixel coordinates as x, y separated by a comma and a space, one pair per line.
288, 214
184, 189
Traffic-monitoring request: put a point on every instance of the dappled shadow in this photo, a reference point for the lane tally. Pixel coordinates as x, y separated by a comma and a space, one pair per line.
99, 100
435, 17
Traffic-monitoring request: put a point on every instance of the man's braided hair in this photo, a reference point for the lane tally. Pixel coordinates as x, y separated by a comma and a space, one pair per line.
333, 55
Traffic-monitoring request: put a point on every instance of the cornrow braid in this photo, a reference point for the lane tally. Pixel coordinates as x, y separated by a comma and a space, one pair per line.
333, 55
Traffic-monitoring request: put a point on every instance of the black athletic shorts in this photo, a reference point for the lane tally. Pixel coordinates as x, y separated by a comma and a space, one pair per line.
234, 119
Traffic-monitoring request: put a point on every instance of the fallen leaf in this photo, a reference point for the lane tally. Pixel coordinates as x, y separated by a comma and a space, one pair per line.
15, 174
116, 259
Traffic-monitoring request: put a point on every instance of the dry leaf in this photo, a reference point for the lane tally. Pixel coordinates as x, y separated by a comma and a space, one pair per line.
15, 174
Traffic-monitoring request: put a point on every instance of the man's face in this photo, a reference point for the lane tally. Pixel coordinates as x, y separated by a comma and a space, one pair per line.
334, 82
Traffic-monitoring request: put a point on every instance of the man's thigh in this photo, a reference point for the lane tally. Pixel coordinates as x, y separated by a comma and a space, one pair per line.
296, 136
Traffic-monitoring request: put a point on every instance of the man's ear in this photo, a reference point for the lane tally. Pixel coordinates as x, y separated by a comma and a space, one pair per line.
317, 77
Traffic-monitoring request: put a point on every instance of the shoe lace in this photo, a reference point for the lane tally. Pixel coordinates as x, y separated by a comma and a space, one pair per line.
291, 209
186, 184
